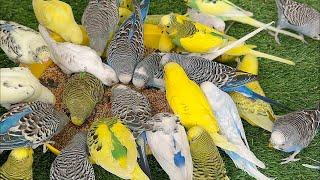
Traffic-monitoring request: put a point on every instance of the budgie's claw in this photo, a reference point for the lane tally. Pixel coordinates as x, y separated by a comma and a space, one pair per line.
276, 37
302, 39
290, 158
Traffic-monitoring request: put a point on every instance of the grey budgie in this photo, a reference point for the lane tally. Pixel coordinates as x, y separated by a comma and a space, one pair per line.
100, 19
134, 110
126, 48
81, 94
226, 78
22, 44
149, 72
30, 125
295, 131
298, 17
73, 162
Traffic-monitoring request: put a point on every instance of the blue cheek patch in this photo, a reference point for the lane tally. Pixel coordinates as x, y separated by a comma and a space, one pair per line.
179, 159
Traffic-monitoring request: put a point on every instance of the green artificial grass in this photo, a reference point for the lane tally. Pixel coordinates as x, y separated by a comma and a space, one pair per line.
296, 86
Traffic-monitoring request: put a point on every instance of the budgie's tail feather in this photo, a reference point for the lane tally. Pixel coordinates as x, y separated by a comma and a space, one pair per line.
246, 166
255, 23
248, 155
222, 142
256, 120
143, 160
138, 174
251, 94
144, 6
271, 57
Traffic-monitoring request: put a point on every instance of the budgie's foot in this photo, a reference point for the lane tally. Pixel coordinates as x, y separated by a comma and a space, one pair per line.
290, 158
302, 39
45, 149
276, 37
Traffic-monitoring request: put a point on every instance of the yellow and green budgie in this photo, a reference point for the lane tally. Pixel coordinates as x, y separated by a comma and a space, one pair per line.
18, 165
57, 16
113, 147
198, 38
255, 112
155, 38
227, 11
190, 104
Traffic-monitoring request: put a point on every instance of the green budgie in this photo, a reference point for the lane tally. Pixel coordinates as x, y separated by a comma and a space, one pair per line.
81, 94
73, 162
18, 165
207, 162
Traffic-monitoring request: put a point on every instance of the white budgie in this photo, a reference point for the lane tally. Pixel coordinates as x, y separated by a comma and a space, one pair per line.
72, 58
19, 85
22, 44
231, 127
169, 145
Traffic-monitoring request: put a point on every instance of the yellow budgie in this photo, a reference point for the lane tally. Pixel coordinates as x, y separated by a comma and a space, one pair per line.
18, 165
113, 147
58, 17
85, 38
255, 112
155, 38
198, 38
189, 103
228, 11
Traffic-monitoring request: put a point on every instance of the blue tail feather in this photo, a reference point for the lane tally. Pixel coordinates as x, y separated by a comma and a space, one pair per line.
144, 6
143, 160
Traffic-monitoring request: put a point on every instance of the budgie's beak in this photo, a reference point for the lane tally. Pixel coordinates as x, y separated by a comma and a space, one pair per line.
77, 121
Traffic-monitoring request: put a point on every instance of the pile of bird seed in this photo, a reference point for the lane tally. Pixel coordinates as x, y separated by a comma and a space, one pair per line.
54, 79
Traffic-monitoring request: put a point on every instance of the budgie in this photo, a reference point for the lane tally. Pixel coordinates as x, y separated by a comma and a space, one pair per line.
207, 162
294, 131
206, 19
255, 112
30, 125
126, 4
198, 38
190, 104
85, 38
225, 77
298, 17
124, 14
19, 85
112, 146
100, 19
18, 165
169, 145
134, 110
37, 69
231, 127
58, 17
72, 58
149, 72
22, 44
227, 11
81, 94
73, 162
154, 37
126, 48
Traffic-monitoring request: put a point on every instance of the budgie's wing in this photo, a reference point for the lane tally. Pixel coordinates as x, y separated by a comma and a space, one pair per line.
13, 90
236, 118
239, 78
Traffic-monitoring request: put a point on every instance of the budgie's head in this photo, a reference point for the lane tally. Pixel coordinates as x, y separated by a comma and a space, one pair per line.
124, 14
108, 76
41, 54
174, 74
166, 122
80, 108
126, 4
169, 23
284, 137
141, 76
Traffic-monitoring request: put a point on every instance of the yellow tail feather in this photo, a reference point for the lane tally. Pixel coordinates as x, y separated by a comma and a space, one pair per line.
271, 57
222, 142
138, 174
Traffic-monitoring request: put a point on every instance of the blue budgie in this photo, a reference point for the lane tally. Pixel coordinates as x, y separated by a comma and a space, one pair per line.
298, 17
294, 131
126, 48
73, 162
30, 125
134, 110
149, 72
231, 127
169, 145
100, 19
227, 78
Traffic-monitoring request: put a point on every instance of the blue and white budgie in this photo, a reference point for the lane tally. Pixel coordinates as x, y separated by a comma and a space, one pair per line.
73, 162
30, 125
169, 145
227, 78
294, 131
298, 17
127, 48
134, 110
100, 20
149, 72
18, 85
22, 44
231, 127
72, 58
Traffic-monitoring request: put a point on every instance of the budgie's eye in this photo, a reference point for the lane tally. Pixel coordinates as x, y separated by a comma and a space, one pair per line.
168, 26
